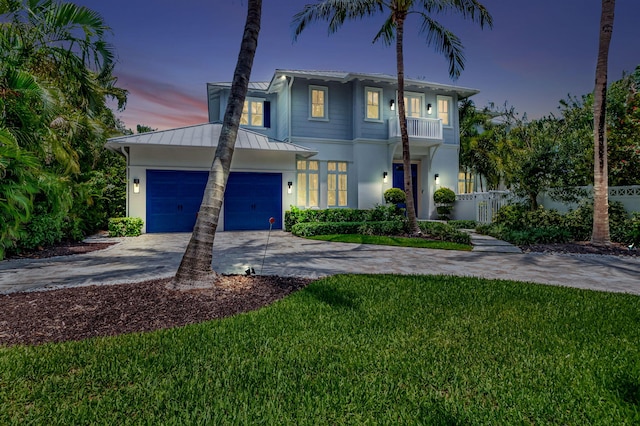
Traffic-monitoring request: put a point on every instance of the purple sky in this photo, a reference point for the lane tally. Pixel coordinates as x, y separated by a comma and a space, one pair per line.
536, 54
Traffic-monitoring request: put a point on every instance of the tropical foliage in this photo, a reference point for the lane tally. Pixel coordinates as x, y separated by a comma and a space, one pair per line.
55, 80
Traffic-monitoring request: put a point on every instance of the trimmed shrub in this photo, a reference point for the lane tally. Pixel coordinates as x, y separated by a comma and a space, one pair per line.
125, 226
444, 232
325, 228
444, 196
385, 213
395, 196
389, 227
463, 224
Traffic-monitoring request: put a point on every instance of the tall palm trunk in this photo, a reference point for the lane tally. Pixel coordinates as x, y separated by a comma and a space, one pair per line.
600, 235
195, 269
404, 134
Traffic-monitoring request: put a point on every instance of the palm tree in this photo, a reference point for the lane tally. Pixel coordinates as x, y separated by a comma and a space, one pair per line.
444, 41
195, 268
600, 234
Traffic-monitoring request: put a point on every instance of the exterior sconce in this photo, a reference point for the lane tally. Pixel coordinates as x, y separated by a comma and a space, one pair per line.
392, 105
136, 186
429, 109
289, 185
384, 177
437, 176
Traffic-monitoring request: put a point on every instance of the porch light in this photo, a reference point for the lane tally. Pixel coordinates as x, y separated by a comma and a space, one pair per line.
392, 105
136, 186
384, 177
437, 176
429, 109
289, 185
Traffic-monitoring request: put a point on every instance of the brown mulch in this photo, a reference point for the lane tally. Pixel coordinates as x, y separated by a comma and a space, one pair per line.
82, 312
64, 248
583, 247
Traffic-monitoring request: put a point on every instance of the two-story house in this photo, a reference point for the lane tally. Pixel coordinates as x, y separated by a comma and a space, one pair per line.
309, 139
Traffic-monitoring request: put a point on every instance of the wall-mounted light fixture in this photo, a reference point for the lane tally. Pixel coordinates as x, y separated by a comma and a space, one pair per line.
136, 186
289, 185
437, 176
392, 105
429, 109
384, 177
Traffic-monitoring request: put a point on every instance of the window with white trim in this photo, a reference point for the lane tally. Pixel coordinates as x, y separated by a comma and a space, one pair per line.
253, 113
373, 99
413, 104
336, 184
318, 103
308, 183
444, 110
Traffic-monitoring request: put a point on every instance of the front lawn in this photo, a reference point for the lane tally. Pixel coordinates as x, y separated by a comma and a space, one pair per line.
353, 349
393, 241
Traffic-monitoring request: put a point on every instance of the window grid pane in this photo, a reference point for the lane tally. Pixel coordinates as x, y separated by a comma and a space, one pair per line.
317, 103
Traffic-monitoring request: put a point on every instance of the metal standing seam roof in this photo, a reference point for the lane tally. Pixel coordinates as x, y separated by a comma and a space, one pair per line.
206, 136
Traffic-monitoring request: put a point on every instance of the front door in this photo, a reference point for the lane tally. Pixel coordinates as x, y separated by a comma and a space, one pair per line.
398, 181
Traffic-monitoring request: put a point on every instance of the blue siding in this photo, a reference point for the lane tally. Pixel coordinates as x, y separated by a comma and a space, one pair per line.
339, 125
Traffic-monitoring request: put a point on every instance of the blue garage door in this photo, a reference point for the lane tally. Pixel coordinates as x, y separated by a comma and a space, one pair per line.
174, 197
251, 199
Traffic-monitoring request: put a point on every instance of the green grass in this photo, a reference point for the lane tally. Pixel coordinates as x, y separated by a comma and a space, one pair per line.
354, 350
392, 241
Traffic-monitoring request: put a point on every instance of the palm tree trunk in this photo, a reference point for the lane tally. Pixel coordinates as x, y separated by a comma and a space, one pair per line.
195, 269
404, 135
600, 235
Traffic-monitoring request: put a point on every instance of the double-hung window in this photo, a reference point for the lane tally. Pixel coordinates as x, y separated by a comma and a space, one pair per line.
318, 103
373, 99
253, 113
308, 183
336, 184
444, 110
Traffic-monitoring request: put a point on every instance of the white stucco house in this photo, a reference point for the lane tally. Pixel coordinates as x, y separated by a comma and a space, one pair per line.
309, 139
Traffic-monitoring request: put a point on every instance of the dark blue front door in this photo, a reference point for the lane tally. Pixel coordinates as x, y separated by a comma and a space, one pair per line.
174, 198
398, 181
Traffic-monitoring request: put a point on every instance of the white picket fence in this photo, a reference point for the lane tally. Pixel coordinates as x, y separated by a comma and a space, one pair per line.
482, 206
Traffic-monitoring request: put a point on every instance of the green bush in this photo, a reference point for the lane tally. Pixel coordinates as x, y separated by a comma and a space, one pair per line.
125, 226
395, 196
379, 213
444, 232
444, 196
463, 224
389, 227
325, 228
385, 213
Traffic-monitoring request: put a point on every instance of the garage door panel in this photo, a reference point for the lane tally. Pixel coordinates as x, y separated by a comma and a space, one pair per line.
174, 198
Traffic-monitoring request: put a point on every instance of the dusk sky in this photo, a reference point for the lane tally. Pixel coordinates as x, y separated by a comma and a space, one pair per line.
536, 54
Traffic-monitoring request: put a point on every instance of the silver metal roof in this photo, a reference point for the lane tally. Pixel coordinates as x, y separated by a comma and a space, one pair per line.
206, 135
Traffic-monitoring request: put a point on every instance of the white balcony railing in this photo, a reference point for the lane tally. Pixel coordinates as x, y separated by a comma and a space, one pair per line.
420, 128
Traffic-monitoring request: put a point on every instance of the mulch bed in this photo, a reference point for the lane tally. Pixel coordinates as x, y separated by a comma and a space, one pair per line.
64, 248
82, 312
614, 249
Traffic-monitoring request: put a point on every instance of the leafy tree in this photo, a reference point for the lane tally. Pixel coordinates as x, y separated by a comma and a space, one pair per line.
195, 268
141, 128
55, 78
601, 235
397, 11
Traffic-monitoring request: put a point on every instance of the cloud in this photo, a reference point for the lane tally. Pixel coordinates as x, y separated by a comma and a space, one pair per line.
160, 104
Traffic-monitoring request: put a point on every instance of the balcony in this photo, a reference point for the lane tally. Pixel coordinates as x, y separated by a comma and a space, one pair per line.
418, 128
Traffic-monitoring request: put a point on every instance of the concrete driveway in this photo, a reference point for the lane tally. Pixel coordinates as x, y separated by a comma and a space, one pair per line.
158, 255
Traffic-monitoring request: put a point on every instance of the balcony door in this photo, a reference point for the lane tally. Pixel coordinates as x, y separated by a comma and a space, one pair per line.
413, 105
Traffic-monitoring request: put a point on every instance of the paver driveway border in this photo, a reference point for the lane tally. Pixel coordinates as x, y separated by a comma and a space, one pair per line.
158, 255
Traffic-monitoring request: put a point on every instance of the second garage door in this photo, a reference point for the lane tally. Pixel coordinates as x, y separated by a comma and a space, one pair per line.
251, 199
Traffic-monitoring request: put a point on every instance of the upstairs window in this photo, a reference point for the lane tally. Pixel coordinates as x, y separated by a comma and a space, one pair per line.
255, 113
413, 105
373, 99
444, 110
336, 184
318, 103
308, 183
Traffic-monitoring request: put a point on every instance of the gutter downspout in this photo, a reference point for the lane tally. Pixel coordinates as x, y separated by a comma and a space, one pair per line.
126, 156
